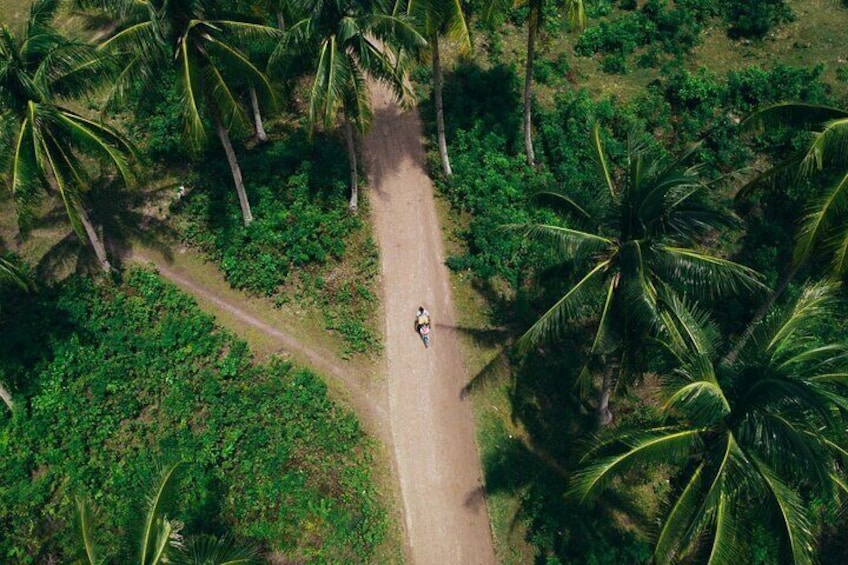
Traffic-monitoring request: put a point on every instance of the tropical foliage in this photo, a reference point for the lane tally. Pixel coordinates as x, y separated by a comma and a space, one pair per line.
346, 43
748, 441
46, 145
196, 38
641, 257
120, 377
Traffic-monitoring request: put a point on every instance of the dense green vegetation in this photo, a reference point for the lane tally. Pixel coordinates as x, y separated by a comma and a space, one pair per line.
522, 278
122, 377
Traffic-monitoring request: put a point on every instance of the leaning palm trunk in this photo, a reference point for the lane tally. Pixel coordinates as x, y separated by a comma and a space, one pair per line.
351, 157
604, 412
532, 28
94, 238
7, 397
224, 136
440, 112
258, 128
730, 358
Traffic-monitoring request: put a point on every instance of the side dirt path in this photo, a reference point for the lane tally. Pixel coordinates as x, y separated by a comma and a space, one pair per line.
240, 315
436, 458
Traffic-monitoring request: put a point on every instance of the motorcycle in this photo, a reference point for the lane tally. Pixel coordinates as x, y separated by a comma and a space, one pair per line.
424, 332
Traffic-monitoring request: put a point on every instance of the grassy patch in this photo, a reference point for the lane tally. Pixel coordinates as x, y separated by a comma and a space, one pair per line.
113, 378
13, 12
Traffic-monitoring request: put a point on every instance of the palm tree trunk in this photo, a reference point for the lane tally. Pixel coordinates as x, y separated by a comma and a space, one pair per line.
7, 397
94, 238
730, 358
351, 157
258, 129
532, 28
281, 20
604, 412
440, 111
224, 136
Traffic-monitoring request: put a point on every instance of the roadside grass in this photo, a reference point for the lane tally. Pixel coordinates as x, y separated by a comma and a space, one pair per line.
490, 379
13, 12
816, 36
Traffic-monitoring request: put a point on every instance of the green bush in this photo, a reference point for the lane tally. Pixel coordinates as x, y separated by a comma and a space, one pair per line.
115, 378
755, 18
298, 191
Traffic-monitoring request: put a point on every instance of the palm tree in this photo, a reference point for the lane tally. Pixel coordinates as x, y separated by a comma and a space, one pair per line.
438, 18
349, 41
159, 539
10, 274
197, 40
535, 20
823, 229
641, 254
44, 144
749, 441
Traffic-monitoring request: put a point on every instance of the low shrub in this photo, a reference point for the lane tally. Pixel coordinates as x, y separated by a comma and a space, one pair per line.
114, 378
298, 192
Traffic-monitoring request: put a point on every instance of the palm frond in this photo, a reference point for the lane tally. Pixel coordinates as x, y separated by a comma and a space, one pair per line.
790, 114
569, 241
560, 198
702, 401
793, 515
679, 518
203, 550
829, 146
192, 95
100, 137
87, 517
246, 32
814, 302
710, 274
728, 544
687, 328
643, 449
600, 154
11, 273
825, 213
239, 63
156, 530
551, 322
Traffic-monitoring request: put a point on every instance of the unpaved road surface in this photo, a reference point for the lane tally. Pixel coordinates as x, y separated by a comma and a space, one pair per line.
444, 506
417, 409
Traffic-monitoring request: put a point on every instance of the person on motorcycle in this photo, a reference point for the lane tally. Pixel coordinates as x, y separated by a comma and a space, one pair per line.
422, 318
422, 325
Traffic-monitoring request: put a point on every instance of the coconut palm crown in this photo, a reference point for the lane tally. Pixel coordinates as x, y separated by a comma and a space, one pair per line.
348, 42
44, 144
823, 227
200, 40
634, 256
747, 443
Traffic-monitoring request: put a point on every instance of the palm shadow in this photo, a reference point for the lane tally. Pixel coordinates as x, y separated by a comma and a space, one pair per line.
536, 468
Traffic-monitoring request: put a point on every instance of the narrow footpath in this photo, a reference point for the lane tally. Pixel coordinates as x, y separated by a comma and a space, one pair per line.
437, 464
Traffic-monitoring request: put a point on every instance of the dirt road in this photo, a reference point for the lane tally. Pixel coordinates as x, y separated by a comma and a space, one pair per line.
436, 458
417, 409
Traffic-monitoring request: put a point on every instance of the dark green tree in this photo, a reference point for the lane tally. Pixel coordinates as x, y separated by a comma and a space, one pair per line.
202, 41
750, 442
639, 252
347, 43
535, 19
44, 144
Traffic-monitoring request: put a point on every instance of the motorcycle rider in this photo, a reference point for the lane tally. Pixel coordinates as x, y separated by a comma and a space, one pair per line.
422, 318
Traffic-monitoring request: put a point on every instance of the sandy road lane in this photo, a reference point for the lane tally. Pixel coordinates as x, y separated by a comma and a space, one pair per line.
437, 463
